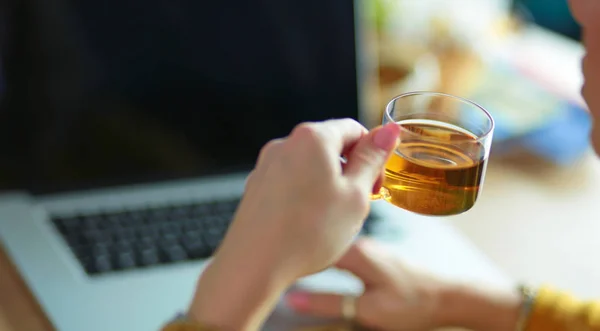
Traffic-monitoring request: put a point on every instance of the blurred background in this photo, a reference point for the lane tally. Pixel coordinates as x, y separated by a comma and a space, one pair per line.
539, 215
538, 218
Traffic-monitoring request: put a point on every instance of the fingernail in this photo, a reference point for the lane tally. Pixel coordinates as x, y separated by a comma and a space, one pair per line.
387, 136
297, 300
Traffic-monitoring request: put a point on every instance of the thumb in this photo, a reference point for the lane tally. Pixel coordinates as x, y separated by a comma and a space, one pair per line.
324, 305
368, 157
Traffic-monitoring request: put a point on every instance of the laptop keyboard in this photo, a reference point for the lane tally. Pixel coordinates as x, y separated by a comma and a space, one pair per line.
124, 240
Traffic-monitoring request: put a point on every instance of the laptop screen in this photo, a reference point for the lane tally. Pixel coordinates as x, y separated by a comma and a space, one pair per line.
116, 92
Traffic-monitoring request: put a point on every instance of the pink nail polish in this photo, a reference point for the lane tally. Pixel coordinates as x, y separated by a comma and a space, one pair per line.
386, 137
297, 300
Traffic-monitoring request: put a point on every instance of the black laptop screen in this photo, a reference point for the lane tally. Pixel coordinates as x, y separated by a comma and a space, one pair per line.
115, 92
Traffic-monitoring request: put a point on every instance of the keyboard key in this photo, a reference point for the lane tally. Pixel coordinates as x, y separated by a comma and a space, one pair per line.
223, 207
180, 212
175, 253
88, 264
123, 246
102, 263
125, 260
124, 235
147, 231
69, 222
100, 249
149, 257
75, 239
191, 224
94, 236
196, 248
91, 223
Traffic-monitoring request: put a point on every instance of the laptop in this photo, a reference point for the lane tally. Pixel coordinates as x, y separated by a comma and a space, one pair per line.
128, 128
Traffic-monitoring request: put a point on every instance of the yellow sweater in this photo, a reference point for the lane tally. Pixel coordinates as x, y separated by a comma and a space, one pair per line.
556, 311
552, 311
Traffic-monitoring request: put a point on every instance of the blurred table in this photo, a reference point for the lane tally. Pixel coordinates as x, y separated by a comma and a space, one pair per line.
18, 309
541, 223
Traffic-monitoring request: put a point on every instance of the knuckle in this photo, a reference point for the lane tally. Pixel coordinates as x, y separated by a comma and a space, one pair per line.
356, 192
364, 249
307, 131
304, 128
391, 306
269, 146
268, 150
353, 124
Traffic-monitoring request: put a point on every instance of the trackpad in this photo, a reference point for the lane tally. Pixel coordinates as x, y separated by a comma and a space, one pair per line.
330, 281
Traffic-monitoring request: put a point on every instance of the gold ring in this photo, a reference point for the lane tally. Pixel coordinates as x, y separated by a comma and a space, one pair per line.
349, 307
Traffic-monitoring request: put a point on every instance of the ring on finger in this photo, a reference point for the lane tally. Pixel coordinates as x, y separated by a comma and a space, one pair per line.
349, 307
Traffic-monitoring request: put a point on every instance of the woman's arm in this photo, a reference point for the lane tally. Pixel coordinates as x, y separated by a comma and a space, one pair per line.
240, 287
230, 300
560, 311
478, 309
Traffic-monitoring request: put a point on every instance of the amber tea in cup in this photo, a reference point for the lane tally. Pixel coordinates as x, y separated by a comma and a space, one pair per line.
439, 164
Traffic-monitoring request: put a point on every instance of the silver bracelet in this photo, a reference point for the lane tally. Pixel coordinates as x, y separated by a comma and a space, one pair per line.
528, 300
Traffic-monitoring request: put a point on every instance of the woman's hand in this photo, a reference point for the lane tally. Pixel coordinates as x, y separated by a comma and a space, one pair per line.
300, 211
301, 203
399, 298
395, 297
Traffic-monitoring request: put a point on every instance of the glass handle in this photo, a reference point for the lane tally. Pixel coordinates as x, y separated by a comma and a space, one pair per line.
384, 194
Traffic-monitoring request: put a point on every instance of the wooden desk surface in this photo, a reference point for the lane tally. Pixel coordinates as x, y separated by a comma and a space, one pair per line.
19, 311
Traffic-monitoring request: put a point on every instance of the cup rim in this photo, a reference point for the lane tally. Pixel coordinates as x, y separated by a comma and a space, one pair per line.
445, 95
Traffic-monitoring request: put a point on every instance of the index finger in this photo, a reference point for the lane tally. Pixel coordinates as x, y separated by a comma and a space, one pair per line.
340, 135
